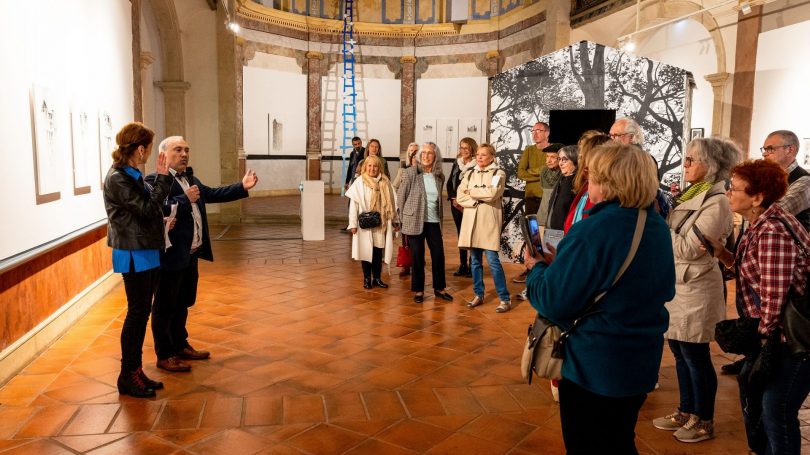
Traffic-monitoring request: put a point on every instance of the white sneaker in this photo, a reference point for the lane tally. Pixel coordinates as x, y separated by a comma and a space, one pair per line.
523, 295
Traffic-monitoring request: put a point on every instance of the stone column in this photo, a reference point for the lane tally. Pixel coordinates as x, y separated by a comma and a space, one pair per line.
137, 90
407, 126
314, 72
719, 82
491, 64
229, 88
745, 67
174, 100
558, 27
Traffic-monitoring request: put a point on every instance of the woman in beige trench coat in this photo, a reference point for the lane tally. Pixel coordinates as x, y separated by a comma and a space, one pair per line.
699, 302
480, 193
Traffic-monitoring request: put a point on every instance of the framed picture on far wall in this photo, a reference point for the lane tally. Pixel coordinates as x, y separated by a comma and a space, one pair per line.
695, 133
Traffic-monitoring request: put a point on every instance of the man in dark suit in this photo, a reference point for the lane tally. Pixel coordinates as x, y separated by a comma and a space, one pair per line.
177, 290
355, 157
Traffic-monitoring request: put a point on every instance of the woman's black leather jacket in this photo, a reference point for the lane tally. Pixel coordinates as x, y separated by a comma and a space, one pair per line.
134, 212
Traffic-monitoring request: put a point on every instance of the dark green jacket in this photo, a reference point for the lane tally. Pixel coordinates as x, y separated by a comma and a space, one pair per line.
616, 352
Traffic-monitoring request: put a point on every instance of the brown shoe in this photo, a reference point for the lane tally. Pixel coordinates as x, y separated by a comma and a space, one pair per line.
190, 353
173, 364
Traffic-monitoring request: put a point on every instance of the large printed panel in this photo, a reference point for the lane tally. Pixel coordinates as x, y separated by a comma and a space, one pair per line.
584, 76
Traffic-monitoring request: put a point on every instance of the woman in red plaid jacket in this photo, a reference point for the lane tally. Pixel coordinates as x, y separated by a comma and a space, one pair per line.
769, 266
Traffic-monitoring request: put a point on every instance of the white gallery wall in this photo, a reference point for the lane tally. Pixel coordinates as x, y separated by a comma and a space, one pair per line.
450, 109
781, 88
275, 123
80, 68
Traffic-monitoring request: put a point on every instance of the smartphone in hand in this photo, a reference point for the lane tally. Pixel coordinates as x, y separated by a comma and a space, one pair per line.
531, 234
702, 238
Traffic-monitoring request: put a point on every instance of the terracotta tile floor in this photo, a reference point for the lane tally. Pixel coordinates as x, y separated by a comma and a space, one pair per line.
306, 361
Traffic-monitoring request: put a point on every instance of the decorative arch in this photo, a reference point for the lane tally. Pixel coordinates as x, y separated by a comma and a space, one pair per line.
656, 12
173, 84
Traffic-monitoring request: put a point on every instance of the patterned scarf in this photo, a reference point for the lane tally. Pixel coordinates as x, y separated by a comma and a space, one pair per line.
381, 199
694, 190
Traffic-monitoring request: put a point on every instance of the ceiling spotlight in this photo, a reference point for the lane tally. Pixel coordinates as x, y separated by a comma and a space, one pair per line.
745, 7
234, 27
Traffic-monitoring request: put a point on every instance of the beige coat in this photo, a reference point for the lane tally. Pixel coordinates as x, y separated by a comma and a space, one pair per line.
363, 240
698, 304
483, 208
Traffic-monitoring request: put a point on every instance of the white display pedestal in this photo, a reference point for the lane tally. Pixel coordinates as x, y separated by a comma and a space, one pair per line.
312, 210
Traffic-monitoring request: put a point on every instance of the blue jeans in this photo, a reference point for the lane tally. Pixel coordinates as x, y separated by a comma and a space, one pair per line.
697, 380
772, 415
494, 268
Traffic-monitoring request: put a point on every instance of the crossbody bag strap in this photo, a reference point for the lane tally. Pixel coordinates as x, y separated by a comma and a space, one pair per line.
796, 239
641, 220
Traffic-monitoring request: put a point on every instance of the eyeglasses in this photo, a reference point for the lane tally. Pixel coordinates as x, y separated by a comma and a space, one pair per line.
564, 159
688, 160
538, 129
772, 148
618, 135
730, 188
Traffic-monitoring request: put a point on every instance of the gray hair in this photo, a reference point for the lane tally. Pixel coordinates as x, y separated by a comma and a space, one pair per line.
788, 137
437, 164
572, 153
719, 155
164, 144
631, 126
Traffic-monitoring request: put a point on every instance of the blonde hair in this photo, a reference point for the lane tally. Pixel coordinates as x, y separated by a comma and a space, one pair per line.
370, 159
488, 147
625, 172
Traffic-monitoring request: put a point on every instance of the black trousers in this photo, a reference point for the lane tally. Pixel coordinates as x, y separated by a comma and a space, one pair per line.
176, 292
140, 288
613, 431
458, 215
373, 268
432, 234
531, 205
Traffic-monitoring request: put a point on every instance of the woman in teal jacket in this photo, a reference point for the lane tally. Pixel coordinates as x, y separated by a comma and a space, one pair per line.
612, 357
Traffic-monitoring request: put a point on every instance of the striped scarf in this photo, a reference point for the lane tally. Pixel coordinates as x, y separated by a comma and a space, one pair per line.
694, 190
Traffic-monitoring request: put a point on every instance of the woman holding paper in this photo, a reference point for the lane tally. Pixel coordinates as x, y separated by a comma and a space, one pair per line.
480, 193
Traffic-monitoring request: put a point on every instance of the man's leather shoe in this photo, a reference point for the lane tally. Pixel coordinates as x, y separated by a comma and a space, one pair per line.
379, 283
190, 353
419, 298
443, 295
173, 364
462, 270
366, 283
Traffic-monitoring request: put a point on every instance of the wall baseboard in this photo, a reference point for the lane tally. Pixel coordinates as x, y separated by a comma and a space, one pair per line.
24, 350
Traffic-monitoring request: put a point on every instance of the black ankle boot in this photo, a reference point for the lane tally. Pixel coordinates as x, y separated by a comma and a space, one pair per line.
157, 385
379, 283
130, 383
462, 270
367, 283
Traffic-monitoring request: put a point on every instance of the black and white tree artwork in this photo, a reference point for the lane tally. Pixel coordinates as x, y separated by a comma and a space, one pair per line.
585, 75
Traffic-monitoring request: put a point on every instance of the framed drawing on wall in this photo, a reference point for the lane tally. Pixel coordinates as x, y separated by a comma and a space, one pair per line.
48, 136
106, 143
695, 133
83, 137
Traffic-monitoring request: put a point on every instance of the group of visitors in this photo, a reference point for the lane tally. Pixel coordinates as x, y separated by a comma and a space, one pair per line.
159, 268
590, 198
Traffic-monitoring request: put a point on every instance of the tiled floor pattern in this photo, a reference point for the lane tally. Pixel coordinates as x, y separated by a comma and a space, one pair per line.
307, 362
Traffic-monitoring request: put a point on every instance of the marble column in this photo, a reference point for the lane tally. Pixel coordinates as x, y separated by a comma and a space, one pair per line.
174, 100
407, 125
314, 64
719, 82
491, 64
137, 90
745, 67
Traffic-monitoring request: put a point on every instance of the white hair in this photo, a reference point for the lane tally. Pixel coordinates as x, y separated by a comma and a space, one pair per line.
631, 126
164, 144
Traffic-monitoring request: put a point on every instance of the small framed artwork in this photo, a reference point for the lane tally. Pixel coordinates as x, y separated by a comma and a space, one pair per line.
695, 133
